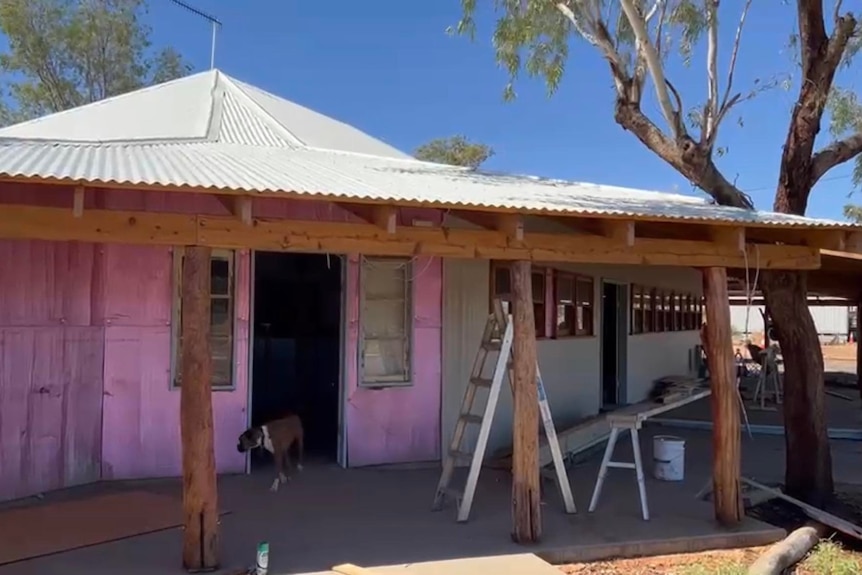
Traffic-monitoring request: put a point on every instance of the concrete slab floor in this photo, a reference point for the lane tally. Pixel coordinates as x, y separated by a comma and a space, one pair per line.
328, 515
840, 413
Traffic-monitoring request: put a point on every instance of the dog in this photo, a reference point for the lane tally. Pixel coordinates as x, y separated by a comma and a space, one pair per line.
277, 437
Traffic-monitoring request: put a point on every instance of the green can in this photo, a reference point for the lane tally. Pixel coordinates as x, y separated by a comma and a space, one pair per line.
261, 563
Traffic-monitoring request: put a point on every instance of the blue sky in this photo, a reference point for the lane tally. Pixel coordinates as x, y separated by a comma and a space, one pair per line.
388, 68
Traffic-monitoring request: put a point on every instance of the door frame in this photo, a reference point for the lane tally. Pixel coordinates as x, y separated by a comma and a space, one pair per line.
341, 449
622, 289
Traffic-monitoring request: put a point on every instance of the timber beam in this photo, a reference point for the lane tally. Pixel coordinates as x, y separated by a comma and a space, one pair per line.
384, 217
79, 196
239, 206
110, 226
621, 232
732, 237
512, 225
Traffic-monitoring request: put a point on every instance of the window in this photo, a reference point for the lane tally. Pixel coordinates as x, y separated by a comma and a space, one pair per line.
659, 311
637, 309
691, 313
566, 305
649, 311
655, 310
538, 278
585, 294
386, 314
574, 295
501, 287
221, 318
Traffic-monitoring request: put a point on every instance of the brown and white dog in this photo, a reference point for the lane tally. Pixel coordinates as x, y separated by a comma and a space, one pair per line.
277, 437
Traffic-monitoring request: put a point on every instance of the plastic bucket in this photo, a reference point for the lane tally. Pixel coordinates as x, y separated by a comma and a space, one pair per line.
668, 453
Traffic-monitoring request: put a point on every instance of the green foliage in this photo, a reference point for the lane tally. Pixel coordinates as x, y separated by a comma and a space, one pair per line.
853, 213
66, 53
533, 36
829, 558
845, 118
455, 151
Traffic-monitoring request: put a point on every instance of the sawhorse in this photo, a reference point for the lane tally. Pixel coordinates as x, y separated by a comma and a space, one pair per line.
631, 419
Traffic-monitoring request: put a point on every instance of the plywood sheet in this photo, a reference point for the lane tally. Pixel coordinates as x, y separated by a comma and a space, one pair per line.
49, 528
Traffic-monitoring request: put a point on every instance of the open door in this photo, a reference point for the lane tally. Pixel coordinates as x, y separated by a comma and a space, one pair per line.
614, 338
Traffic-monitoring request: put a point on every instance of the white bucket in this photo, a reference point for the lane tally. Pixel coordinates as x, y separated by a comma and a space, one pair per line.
668, 454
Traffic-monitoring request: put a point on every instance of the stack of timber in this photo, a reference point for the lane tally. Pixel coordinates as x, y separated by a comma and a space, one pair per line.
592, 431
673, 388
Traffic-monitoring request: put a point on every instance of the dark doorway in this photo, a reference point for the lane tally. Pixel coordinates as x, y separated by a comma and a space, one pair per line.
297, 346
610, 345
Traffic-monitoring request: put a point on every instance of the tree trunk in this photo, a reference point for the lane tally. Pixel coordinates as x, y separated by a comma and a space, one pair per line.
726, 448
526, 510
808, 472
200, 494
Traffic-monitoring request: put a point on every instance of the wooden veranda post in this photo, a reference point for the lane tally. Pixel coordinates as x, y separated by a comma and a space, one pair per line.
526, 510
200, 494
726, 448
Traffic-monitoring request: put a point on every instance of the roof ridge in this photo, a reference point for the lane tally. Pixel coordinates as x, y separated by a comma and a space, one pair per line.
263, 114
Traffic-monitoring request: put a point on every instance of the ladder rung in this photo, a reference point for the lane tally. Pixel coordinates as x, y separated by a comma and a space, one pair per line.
480, 381
621, 465
460, 455
471, 418
492, 345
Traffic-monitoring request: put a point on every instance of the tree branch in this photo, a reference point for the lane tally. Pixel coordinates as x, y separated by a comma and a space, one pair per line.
600, 37
821, 56
727, 102
710, 125
654, 65
685, 156
834, 154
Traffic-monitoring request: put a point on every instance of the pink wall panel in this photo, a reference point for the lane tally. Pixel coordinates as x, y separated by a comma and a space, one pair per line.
50, 367
50, 408
52, 196
45, 283
140, 430
138, 285
125, 292
398, 424
141, 418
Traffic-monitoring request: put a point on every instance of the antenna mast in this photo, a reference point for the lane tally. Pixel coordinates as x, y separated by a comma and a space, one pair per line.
214, 22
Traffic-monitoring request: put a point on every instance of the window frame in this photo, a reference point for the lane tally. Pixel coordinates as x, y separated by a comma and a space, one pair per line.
175, 380
406, 378
540, 319
576, 279
638, 309
649, 310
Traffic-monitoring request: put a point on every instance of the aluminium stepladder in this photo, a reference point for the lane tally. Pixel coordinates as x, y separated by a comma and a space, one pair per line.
497, 338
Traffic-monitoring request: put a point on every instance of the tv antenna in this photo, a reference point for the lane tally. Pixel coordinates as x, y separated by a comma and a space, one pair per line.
214, 22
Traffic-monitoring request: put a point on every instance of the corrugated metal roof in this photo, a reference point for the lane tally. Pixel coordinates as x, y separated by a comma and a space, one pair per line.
238, 137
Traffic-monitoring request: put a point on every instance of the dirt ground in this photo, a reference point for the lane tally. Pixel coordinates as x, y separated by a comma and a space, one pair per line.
840, 352
844, 352
709, 562
827, 560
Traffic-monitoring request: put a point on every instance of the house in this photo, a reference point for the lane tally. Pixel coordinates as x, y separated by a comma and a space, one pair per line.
348, 282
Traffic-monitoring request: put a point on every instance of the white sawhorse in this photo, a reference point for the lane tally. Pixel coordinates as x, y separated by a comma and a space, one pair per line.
619, 423
632, 418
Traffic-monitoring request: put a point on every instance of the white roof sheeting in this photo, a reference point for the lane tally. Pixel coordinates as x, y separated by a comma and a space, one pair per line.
210, 131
